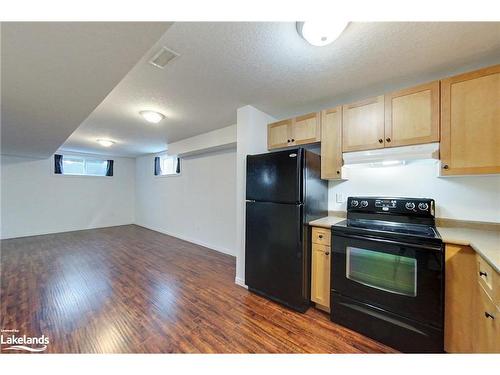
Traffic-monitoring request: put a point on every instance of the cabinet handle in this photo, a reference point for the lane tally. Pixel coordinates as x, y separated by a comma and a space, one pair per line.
380, 140
288, 141
445, 166
481, 273
488, 315
327, 253
320, 236
293, 140
338, 172
388, 139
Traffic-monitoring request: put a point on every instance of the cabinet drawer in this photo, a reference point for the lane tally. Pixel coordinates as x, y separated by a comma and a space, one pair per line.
488, 279
321, 236
487, 321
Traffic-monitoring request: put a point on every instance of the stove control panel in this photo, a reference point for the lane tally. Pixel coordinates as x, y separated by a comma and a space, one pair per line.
423, 206
398, 206
410, 205
385, 203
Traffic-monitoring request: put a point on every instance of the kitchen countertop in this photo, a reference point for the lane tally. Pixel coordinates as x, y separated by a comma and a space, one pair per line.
326, 222
484, 242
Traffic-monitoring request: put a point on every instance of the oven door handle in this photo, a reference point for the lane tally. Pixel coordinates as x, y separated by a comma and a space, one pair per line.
388, 241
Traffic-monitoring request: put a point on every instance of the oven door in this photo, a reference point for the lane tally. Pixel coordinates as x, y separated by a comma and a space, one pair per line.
402, 278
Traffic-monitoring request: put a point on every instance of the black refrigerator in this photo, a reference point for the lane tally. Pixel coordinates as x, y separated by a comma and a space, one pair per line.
284, 191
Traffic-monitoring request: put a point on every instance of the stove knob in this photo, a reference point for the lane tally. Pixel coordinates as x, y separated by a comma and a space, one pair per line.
364, 204
410, 205
423, 206
354, 203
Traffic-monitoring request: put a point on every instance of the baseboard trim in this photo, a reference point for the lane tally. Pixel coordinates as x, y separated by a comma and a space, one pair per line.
35, 234
188, 239
240, 282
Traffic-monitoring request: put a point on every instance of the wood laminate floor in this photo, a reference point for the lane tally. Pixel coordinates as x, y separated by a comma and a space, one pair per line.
128, 289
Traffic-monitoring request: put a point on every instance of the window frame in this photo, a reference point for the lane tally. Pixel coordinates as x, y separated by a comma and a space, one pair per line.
84, 157
169, 174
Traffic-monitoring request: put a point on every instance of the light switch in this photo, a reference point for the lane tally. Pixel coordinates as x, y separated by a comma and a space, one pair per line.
339, 198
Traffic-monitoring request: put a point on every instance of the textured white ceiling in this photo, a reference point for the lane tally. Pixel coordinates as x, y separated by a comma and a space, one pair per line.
223, 66
55, 74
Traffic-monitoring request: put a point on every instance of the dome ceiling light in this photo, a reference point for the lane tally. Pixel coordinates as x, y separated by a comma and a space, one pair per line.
320, 33
105, 142
152, 116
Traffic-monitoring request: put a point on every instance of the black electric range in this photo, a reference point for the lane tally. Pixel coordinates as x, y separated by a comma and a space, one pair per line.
388, 272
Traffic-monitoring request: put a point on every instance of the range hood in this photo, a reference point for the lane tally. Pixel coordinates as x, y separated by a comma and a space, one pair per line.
404, 153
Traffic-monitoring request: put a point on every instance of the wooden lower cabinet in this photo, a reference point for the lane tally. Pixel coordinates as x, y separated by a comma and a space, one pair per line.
320, 270
320, 281
460, 279
487, 324
472, 319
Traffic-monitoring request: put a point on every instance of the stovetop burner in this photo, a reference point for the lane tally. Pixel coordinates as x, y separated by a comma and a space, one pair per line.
409, 219
419, 230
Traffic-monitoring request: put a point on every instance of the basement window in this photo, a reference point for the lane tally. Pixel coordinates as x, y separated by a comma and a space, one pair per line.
82, 166
167, 165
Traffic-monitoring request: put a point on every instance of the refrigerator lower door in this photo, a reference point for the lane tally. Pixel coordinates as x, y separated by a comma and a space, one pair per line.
275, 258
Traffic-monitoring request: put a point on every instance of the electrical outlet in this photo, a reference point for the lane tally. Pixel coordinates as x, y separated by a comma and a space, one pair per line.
339, 198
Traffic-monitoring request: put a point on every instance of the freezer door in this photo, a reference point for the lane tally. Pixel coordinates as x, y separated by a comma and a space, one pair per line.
275, 176
275, 259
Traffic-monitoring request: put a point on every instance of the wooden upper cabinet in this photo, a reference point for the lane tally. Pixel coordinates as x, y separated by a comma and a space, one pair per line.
412, 116
470, 123
331, 143
306, 129
278, 134
363, 125
293, 132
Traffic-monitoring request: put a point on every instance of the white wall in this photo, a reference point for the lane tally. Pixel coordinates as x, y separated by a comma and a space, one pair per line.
198, 205
474, 198
211, 141
251, 139
35, 201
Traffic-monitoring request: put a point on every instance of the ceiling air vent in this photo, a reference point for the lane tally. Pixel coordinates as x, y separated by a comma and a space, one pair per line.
163, 57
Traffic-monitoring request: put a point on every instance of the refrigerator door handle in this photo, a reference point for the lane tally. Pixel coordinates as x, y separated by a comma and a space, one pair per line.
250, 200
300, 230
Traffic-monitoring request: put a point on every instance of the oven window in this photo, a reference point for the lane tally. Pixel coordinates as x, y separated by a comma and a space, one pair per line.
392, 273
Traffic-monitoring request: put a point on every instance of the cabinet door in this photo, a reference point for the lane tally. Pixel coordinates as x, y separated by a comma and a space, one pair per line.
460, 292
412, 116
470, 123
331, 144
320, 275
278, 134
487, 319
363, 125
306, 129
